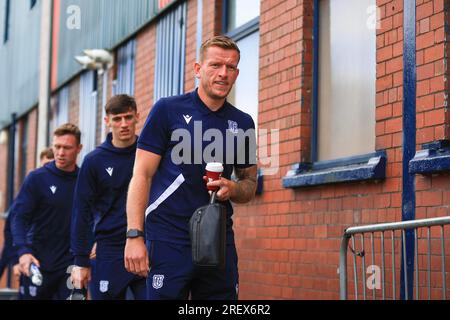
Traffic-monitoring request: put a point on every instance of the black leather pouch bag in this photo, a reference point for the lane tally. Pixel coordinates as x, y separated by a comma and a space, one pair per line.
207, 229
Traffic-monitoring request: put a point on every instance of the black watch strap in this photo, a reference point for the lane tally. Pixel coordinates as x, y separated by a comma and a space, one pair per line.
135, 233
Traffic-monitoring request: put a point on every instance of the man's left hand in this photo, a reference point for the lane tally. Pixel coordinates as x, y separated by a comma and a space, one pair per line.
226, 188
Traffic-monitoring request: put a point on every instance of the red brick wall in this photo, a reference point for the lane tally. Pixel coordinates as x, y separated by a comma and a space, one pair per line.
432, 100
289, 240
145, 72
100, 106
74, 101
32, 140
3, 173
433, 120
3, 180
432, 89
212, 18
18, 177
274, 231
191, 45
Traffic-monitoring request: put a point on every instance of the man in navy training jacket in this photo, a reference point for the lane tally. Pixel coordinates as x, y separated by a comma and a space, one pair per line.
43, 210
100, 198
9, 254
166, 193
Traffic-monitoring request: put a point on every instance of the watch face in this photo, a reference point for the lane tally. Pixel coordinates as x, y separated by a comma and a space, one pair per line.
134, 233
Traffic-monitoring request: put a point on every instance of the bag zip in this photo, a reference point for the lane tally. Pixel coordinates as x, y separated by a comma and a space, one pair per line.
199, 216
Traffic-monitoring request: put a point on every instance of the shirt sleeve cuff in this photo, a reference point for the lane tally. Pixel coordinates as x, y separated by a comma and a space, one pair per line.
23, 250
153, 149
82, 261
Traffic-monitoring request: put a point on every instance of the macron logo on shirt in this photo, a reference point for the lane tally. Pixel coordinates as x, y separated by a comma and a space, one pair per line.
187, 118
110, 171
53, 189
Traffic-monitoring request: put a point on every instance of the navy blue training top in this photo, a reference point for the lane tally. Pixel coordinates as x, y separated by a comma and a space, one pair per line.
178, 188
8, 254
41, 221
100, 200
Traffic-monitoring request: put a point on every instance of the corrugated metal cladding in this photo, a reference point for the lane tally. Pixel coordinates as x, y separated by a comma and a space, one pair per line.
19, 59
170, 53
126, 54
103, 24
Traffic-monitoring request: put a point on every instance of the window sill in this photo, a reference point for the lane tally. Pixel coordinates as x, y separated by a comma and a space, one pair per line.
360, 168
433, 158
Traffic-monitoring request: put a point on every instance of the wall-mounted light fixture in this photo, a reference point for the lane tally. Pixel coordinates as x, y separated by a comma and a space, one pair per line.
96, 59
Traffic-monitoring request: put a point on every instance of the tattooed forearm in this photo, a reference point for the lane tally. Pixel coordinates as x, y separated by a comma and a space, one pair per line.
246, 185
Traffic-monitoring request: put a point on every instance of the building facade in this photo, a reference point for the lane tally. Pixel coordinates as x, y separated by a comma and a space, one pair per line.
350, 99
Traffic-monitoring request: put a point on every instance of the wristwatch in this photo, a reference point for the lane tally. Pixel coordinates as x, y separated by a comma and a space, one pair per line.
135, 233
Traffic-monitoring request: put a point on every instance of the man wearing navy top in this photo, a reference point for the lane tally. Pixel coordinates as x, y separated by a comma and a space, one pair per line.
100, 198
41, 221
165, 191
9, 256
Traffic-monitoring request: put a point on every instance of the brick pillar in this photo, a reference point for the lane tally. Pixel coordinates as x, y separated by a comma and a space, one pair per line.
145, 72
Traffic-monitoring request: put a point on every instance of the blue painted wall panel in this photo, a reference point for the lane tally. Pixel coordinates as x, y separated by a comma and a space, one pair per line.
19, 59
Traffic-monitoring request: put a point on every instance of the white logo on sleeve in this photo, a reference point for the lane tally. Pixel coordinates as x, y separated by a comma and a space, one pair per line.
110, 171
104, 286
53, 189
187, 118
158, 281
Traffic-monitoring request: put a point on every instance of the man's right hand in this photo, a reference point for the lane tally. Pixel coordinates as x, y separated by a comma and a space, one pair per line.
16, 272
25, 262
93, 254
80, 277
136, 257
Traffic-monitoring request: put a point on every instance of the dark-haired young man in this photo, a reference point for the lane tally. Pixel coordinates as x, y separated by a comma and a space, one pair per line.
100, 199
41, 220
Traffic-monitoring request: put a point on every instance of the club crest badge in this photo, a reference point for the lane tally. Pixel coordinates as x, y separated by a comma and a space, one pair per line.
33, 291
233, 127
104, 286
158, 281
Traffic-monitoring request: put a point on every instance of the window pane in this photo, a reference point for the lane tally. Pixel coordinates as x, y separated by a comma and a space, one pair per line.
241, 12
24, 147
347, 75
170, 53
124, 83
245, 93
6, 21
88, 107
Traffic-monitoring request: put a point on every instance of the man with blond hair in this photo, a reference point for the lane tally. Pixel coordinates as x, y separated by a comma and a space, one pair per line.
41, 220
165, 193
